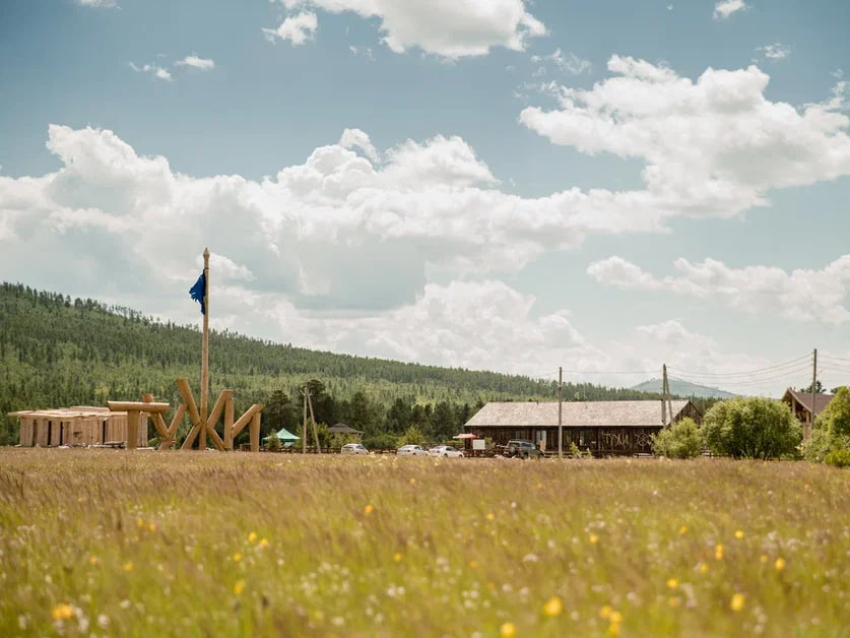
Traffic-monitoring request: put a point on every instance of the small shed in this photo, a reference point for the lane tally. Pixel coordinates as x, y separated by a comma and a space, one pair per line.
801, 404
602, 427
342, 428
77, 426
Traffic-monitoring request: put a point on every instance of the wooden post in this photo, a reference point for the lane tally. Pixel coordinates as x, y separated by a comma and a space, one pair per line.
228, 424
807, 431
132, 429
664, 395
560, 411
205, 354
255, 431
304, 427
313, 419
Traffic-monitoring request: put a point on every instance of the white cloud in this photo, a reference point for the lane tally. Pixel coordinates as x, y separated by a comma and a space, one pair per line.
775, 52
105, 4
725, 8
204, 64
570, 62
157, 71
298, 29
446, 28
713, 146
366, 52
799, 295
355, 138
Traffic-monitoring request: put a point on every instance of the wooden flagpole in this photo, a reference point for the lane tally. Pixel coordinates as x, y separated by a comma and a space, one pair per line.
205, 354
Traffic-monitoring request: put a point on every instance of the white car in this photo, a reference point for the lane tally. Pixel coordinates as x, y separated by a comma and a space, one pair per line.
411, 450
445, 450
353, 448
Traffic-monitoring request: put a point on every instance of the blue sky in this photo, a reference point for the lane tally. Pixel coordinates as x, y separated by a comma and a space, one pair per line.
516, 185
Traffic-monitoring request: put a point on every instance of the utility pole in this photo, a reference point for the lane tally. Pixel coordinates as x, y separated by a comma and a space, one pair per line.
304, 427
560, 412
313, 419
205, 355
664, 395
808, 430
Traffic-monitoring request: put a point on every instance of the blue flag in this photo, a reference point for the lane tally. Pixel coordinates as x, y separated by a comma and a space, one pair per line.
197, 292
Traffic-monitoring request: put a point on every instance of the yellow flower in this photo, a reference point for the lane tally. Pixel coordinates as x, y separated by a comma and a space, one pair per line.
490, 516
140, 523
152, 527
674, 601
237, 557
397, 557
264, 542
615, 617
62, 611
128, 567
93, 560
252, 537
539, 485
683, 530
412, 481
779, 564
763, 558
703, 568
672, 583
594, 538
739, 534
553, 607
368, 509
473, 564
718, 552
507, 630
737, 602
238, 587
606, 611
614, 629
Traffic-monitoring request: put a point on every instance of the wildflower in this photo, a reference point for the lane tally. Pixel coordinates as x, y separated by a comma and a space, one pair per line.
553, 607
152, 527
507, 630
606, 611
397, 557
140, 523
264, 542
128, 566
779, 564
763, 558
412, 481
93, 560
490, 516
237, 557
674, 602
62, 611
594, 538
615, 618
103, 621
718, 552
737, 602
473, 564
703, 568
252, 537
368, 509
672, 583
683, 530
739, 534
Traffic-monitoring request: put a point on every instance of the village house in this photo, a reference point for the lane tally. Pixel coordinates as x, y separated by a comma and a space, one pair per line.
801, 405
602, 427
76, 426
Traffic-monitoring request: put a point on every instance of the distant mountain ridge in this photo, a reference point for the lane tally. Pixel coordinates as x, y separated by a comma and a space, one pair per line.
684, 389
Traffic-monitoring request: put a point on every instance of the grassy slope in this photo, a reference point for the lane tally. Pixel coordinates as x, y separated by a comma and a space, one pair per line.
163, 544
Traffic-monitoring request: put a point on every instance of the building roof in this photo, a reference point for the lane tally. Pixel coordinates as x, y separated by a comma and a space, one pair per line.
805, 399
342, 428
575, 414
66, 414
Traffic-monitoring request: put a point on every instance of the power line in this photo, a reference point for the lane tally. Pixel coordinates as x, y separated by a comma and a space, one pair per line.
771, 368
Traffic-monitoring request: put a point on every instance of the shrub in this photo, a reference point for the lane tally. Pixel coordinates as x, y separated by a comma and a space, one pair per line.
817, 446
412, 436
838, 458
382, 441
683, 440
273, 443
836, 417
752, 427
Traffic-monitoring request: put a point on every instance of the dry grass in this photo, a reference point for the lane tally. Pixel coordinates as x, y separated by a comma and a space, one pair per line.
118, 543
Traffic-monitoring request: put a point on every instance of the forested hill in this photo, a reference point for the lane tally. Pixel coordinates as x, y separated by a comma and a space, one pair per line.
57, 351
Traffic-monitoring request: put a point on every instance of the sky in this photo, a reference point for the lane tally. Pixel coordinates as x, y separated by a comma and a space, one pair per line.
508, 185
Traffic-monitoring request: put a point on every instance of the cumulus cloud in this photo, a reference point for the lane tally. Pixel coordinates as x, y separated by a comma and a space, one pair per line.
298, 29
355, 138
713, 146
798, 295
157, 71
204, 64
725, 8
442, 27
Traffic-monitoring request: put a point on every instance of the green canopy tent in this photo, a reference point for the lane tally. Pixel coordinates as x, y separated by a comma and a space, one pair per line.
284, 436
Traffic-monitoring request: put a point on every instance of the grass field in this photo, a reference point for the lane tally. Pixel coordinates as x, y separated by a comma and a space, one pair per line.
192, 544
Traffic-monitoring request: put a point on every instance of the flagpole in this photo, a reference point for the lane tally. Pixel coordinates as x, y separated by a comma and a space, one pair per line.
205, 354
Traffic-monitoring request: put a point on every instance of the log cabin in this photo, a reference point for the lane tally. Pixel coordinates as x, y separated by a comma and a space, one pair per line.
76, 426
801, 405
605, 428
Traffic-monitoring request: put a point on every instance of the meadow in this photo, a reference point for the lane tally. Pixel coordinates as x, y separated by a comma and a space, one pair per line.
201, 544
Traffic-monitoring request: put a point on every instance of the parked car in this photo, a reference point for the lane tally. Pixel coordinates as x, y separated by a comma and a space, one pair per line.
411, 450
523, 450
446, 451
353, 448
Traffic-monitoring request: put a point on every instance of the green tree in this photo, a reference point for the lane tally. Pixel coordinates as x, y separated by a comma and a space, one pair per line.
682, 440
412, 436
835, 419
752, 427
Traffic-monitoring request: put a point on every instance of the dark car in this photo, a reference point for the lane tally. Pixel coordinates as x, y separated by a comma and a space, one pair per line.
523, 450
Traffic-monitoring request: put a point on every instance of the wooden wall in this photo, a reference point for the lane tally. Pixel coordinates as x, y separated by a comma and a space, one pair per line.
52, 432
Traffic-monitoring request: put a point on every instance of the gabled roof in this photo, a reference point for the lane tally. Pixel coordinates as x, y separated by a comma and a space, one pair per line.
805, 399
342, 428
575, 414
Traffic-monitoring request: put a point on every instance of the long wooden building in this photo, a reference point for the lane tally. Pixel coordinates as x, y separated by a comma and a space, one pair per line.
76, 426
601, 427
